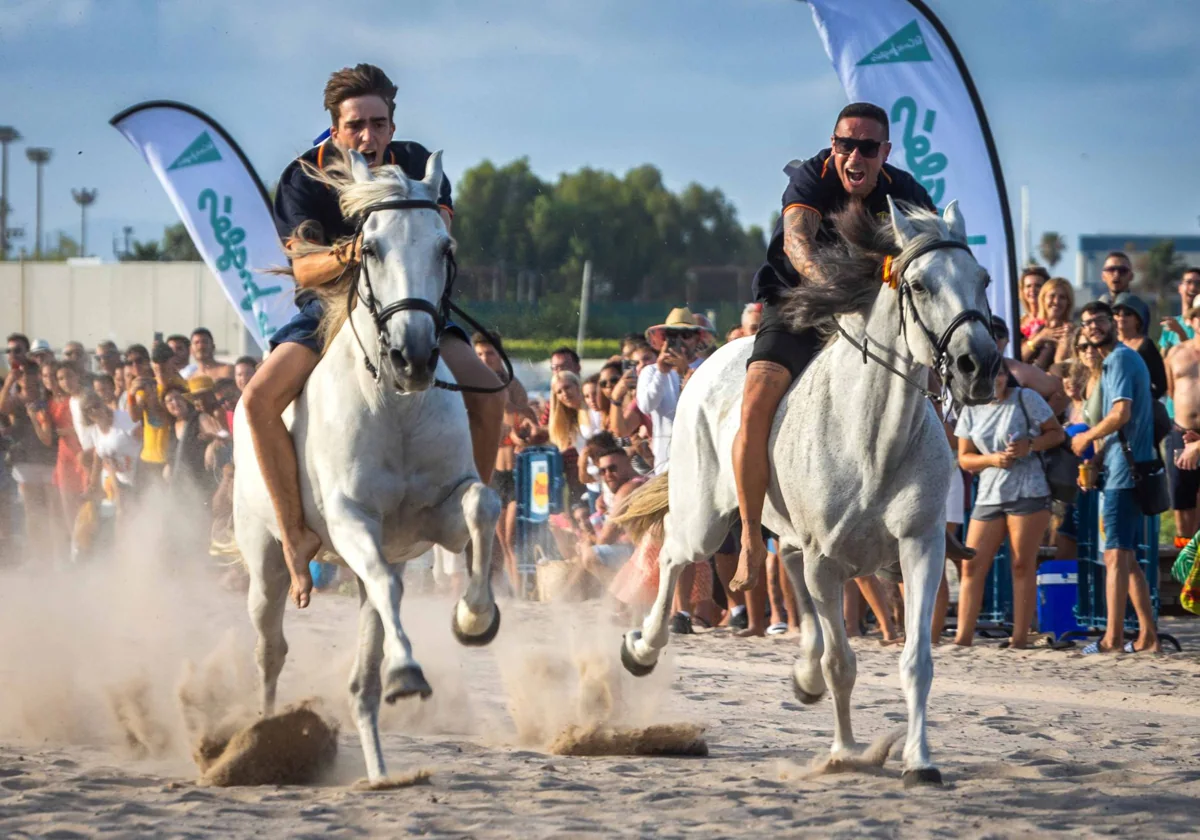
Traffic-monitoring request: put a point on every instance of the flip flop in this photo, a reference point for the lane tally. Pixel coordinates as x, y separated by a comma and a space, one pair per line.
1090, 648
777, 629
1129, 648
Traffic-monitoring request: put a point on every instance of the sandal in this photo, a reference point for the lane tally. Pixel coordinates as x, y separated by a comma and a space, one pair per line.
777, 629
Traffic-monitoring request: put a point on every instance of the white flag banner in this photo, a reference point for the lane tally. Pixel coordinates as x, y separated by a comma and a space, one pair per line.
222, 204
896, 54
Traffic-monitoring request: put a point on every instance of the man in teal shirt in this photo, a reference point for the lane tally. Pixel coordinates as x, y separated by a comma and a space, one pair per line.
1128, 414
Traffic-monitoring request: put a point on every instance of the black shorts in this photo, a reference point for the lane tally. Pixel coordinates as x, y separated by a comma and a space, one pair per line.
777, 342
504, 484
1185, 484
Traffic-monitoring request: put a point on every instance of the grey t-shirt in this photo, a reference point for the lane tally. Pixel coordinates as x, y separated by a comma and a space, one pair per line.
989, 428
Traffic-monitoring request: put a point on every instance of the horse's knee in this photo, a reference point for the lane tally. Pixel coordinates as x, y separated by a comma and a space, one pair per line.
481, 505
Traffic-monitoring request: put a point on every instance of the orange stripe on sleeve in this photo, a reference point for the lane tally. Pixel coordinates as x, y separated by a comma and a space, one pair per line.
802, 206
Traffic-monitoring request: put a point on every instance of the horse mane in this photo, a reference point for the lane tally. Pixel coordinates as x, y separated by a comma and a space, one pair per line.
389, 184
851, 268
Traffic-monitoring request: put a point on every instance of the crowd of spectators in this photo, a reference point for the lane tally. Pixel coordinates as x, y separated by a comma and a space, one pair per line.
114, 431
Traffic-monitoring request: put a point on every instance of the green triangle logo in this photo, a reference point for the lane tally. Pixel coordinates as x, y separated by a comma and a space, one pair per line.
908, 44
201, 150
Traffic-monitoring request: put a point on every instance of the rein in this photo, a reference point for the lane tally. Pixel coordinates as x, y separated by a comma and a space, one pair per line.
380, 315
940, 344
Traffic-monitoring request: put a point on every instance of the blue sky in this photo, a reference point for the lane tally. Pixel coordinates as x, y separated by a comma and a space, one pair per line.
1093, 103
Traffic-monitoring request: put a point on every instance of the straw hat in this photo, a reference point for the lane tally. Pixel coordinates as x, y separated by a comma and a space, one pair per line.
199, 384
680, 320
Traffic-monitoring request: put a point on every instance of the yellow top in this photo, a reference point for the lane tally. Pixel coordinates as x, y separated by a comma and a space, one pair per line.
156, 440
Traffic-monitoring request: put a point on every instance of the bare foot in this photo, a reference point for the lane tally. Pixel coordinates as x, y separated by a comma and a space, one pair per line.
296, 553
751, 561
750, 632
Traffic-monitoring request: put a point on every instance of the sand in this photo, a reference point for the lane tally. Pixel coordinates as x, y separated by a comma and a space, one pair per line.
1031, 743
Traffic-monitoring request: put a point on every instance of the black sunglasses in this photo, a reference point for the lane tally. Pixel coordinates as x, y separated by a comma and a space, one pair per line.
608, 383
847, 145
1116, 269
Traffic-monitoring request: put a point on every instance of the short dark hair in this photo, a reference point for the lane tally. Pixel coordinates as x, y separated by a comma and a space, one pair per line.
999, 328
633, 338
613, 366
606, 442
204, 331
138, 348
566, 351
245, 360
359, 80
1120, 254
1038, 270
1096, 307
107, 347
20, 338
32, 367
104, 377
177, 337
224, 382
865, 110
1191, 269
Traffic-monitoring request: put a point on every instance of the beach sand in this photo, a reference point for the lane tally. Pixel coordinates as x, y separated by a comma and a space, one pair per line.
1031, 743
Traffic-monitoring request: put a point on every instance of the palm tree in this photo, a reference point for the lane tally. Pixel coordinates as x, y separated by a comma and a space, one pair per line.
1051, 248
84, 198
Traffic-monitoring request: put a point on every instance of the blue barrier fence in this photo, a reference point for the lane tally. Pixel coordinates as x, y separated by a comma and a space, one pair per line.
538, 476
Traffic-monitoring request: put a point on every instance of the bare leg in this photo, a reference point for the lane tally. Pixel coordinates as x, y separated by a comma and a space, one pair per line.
683, 590
1117, 566
873, 593
1139, 593
276, 385
985, 538
852, 607
726, 567
1025, 537
775, 588
485, 411
766, 383
756, 609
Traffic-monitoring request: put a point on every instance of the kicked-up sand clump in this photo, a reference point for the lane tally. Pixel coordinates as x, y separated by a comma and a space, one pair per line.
658, 739
295, 747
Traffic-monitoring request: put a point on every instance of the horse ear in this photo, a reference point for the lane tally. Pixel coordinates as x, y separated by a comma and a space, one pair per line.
433, 172
359, 168
955, 221
903, 227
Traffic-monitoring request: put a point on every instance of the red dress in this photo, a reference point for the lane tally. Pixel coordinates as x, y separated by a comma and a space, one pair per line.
68, 469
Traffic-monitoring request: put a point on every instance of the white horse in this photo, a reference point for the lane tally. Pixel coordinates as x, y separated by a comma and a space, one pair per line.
385, 460
860, 465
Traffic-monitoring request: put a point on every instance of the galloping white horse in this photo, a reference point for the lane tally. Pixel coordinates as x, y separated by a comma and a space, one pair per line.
385, 460
860, 465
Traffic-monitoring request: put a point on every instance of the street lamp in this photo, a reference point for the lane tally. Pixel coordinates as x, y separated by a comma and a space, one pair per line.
8, 134
84, 198
39, 156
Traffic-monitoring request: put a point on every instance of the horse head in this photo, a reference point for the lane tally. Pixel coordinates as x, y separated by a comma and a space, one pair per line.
943, 301
407, 256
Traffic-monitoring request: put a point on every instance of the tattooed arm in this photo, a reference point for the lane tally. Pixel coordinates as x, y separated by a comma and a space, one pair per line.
800, 226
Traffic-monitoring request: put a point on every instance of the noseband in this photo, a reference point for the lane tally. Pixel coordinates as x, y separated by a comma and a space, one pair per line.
380, 315
940, 344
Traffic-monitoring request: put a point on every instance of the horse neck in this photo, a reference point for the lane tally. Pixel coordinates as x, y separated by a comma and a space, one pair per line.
882, 407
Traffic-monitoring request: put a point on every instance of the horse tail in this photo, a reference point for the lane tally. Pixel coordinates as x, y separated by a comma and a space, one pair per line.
644, 510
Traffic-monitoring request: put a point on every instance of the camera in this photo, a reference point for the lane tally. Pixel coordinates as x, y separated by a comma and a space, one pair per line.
628, 365
161, 354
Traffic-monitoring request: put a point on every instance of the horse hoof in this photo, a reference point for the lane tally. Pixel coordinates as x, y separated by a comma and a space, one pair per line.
406, 682
480, 639
802, 695
632, 665
925, 777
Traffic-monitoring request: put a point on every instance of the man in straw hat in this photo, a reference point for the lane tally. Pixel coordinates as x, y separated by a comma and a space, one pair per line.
854, 169
677, 341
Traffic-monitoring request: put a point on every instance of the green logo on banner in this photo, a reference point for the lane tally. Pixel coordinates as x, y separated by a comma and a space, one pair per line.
906, 45
201, 150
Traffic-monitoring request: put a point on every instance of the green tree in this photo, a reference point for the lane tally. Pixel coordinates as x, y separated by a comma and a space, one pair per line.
1051, 248
143, 252
64, 249
1159, 270
177, 245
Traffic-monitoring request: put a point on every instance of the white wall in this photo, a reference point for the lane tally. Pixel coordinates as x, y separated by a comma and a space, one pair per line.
125, 302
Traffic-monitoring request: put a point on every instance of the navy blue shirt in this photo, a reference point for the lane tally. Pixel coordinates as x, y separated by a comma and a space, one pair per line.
299, 198
814, 184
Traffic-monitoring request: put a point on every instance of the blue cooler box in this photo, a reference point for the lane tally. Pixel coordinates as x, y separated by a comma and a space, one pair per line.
1057, 588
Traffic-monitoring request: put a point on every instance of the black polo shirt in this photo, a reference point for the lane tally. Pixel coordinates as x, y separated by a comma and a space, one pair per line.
814, 184
299, 198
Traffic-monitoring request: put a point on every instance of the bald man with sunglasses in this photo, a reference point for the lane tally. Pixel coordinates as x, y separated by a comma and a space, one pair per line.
854, 169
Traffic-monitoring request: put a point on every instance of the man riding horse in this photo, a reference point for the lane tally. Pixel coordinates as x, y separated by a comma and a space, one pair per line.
361, 102
853, 169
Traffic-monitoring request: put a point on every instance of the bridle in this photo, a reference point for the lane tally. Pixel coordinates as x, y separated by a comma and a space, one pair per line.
940, 344
380, 315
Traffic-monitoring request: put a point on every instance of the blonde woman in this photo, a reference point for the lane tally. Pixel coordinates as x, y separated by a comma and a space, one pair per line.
1032, 281
1053, 342
570, 428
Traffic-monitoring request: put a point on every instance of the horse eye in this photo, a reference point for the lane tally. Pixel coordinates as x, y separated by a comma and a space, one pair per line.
916, 286
367, 250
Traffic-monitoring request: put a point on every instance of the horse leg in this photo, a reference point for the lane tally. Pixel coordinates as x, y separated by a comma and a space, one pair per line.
366, 686
266, 600
922, 561
808, 682
640, 649
825, 584
357, 537
476, 617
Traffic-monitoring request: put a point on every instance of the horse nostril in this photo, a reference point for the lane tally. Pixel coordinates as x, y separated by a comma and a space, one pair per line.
967, 366
399, 364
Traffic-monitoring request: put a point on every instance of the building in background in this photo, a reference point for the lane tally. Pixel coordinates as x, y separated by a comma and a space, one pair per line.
1094, 248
